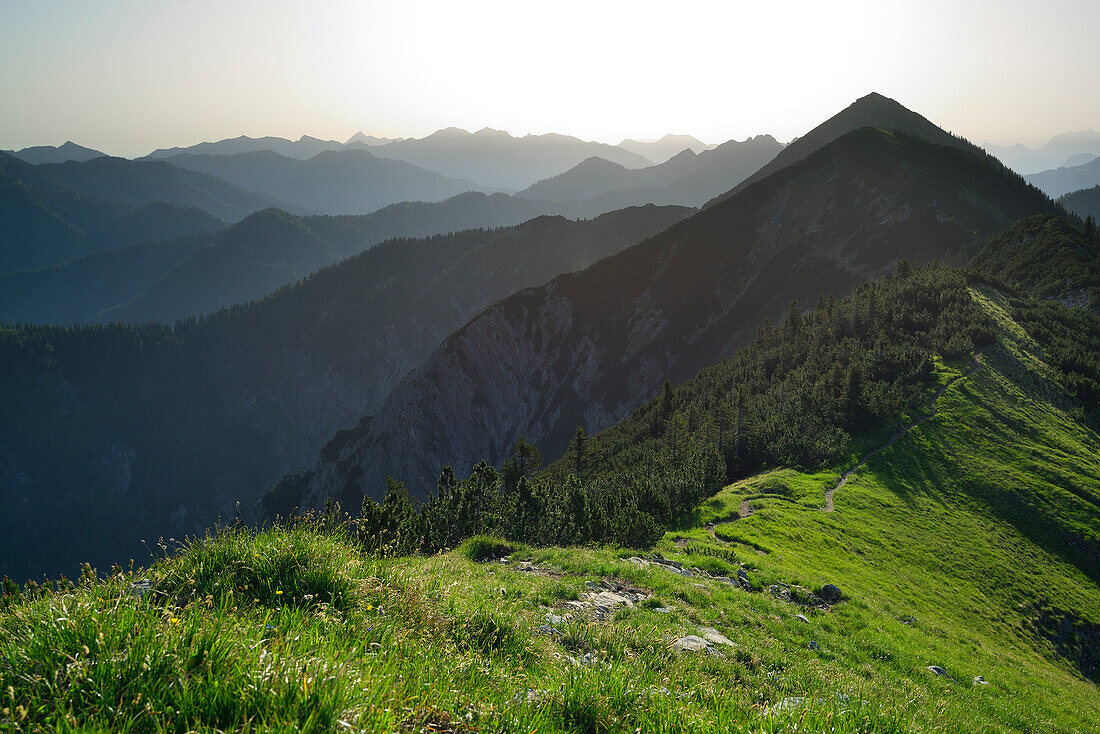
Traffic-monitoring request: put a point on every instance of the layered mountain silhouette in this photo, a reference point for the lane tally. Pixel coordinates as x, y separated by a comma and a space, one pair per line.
686, 179
587, 347
1061, 181
332, 182
303, 148
661, 150
1083, 203
43, 224
69, 151
244, 262
1059, 151
118, 432
495, 159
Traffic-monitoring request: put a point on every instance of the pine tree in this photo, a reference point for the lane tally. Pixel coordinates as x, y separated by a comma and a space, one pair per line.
578, 448
1090, 228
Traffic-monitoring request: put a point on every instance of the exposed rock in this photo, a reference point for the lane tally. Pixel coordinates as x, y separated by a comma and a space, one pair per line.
831, 594
814, 645
937, 670
980, 681
801, 618
714, 636
140, 588
690, 643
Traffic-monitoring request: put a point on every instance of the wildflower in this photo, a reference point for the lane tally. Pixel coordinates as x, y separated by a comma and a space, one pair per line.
174, 620
278, 592
370, 607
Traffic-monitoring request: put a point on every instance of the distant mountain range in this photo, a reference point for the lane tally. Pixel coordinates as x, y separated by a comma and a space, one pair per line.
1061, 181
587, 347
44, 223
302, 148
332, 182
686, 179
118, 432
661, 150
69, 151
1066, 149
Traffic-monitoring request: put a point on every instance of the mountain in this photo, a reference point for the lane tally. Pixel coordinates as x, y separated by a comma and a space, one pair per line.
873, 110
69, 151
685, 179
332, 182
587, 347
1083, 203
41, 226
368, 140
118, 432
1079, 160
303, 148
1058, 151
1061, 181
495, 159
661, 150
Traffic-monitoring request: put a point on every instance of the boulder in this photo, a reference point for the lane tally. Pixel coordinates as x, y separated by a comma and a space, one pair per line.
690, 643
831, 593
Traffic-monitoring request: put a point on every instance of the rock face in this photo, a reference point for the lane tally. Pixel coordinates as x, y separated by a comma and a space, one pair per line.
587, 347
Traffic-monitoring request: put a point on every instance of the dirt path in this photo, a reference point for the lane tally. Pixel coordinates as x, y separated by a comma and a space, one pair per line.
893, 439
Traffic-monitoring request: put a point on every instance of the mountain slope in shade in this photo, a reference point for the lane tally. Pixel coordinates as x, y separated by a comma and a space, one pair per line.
661, 150
141, 182
495, 159
114, 433
873, 110
41, 228
332, 182
1061, 181
587, 347
1083, 203
686, 179
69, 151
250, 262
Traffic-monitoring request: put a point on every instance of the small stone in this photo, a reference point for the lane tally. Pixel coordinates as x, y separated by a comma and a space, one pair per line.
554, 619
545, 629
690, 643
937, 670
713, 635
831, 593
980, 681
665, 610
814, 645
802, 618
591, 586
140, 588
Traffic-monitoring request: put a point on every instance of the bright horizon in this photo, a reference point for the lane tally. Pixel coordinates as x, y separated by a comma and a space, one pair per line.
126, 77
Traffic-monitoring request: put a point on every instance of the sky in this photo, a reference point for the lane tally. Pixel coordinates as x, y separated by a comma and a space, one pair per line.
126, 77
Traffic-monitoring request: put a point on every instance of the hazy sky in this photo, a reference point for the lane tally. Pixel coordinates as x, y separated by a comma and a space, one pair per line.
129, 76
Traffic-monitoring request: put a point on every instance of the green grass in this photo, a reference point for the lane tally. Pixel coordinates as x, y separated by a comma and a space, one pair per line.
955, 547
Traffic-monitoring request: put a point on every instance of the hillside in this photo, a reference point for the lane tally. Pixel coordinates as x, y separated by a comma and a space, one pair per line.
873, 110
1061, 181
40, 227
588, 347
332, 182
1083, 203
686, 179
955, 603
1045, 257
115, 433
1057, 152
